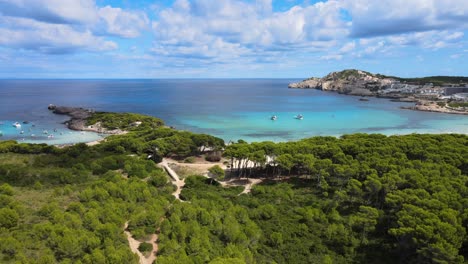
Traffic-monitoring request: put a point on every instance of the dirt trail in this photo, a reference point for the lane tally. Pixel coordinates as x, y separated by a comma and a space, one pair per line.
134, 244
180, 183
249, 186
175, 179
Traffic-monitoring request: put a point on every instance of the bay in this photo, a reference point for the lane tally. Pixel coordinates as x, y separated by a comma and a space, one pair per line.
228, 108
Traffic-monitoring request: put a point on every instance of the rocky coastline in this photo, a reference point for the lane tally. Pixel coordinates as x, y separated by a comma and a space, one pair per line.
427, 96
78, 120
430, 106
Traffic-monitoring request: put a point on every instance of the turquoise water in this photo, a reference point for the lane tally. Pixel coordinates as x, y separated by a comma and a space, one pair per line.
230, 109
45, 132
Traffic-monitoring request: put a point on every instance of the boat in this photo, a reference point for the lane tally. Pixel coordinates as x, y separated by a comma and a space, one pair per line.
363, 99
50, 136
1, 133
22, 132
25, 122
17, 125
45, 132
273, 117
299, 116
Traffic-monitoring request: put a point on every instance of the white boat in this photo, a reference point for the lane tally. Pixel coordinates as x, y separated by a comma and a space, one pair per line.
22, 132
50, 136
45, 132
273, 117
299, 116
17, 125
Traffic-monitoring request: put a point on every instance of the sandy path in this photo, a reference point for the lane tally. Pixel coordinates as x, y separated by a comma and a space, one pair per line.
175, 179
134, 244
249, 186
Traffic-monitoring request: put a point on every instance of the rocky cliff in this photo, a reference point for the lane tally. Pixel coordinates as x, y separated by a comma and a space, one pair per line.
353, 82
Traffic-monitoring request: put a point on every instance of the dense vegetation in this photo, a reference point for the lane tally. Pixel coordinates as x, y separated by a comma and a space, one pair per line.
124, 121
458, 104
436, 80
361, 198
355, 199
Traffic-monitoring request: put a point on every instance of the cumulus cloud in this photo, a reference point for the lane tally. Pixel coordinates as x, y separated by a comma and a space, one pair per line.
49, 38
51, 11
227, 29
372, 18
239, 33
62, 26
122, 23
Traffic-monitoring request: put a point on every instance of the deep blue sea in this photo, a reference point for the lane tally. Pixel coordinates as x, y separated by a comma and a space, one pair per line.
230, 109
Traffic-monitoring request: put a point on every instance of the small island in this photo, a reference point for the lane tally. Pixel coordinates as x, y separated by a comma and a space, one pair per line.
445, 94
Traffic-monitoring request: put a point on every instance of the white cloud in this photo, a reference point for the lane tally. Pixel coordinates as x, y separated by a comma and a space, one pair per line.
122, 23
332, 57
372, 18
49, 38
60, 26
207, 30
52, 11
348, 47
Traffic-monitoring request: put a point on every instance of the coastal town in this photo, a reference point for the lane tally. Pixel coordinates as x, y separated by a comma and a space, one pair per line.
434, 94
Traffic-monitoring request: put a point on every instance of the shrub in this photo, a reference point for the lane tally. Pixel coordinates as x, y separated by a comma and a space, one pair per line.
145, 247
158, 179
189, 160
6, 189
217, 172
213, 156
8, 218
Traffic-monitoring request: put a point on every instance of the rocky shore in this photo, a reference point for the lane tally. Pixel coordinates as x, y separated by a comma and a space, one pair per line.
352, 82
427, 96
78, 119
430, 106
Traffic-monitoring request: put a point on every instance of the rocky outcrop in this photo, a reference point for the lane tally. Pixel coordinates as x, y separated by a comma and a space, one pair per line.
78, 116
361, 83
354, 82
79, 119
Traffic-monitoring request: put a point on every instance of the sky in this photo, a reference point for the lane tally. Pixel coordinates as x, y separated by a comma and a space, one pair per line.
231, 38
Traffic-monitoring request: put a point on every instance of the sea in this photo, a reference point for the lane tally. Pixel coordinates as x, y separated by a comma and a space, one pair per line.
231, 109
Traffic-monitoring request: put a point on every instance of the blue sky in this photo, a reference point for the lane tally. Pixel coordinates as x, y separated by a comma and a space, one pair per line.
231, 38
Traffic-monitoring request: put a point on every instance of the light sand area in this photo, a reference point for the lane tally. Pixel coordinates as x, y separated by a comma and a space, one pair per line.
430, 106
134, 244
174, 178
200, 167
93, 143
247, 183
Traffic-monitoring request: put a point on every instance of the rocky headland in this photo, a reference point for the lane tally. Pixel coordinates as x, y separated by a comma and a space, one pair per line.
429, 93
79, 118
353, 82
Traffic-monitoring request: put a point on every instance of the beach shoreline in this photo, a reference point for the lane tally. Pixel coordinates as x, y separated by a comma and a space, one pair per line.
78, 122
